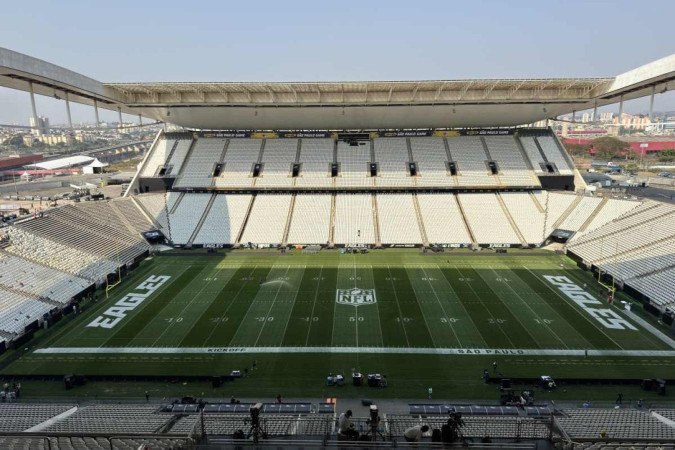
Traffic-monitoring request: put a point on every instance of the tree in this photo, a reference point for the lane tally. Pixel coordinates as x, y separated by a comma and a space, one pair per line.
610, 148
15, 141
667, 155
577, 149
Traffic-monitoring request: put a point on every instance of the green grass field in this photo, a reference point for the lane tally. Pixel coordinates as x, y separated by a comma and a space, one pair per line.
435, 319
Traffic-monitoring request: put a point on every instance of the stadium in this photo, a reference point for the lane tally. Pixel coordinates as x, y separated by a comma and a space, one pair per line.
400, 242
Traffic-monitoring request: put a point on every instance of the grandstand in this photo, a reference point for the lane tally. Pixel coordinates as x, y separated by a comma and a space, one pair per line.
472, 190
179, 426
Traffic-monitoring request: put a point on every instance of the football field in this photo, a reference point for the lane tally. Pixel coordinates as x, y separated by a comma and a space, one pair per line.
399, 311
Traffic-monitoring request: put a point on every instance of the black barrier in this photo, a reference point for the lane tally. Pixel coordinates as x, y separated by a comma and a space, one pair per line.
178, 135
21, 340
533, 132
32, 326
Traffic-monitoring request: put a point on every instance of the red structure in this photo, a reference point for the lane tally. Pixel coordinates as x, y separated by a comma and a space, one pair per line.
640, 147
10, 163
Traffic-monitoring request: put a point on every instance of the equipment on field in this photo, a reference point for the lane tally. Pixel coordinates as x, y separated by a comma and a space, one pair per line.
512, 397
654, 384
70, 381
377, 380
546, 382
335, 380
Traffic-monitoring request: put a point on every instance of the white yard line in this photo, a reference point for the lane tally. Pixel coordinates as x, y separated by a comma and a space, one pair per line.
274, 300
377, 308
195, 297
445, 313
461, 305
480, 299
575, 306
290, 312
532, 310
356, 312
213, 330
400, 313
311, 315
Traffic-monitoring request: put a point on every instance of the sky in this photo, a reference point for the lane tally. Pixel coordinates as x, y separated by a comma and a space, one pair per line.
347, 40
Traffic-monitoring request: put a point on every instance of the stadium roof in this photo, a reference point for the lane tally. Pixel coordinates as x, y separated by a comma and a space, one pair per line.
348, 104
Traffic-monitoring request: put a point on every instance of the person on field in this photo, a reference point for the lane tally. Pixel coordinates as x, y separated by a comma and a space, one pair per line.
414, 434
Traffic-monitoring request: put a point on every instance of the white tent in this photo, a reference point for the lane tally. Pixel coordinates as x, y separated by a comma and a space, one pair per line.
95, 166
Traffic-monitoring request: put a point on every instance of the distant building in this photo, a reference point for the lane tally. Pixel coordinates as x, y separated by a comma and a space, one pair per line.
84, 137
53, 139
39, 126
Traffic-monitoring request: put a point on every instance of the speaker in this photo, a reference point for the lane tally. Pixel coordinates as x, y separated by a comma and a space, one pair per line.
452, 166
373, 169
413, 169
257, 168
493, 167
296, 170
333, 170
660, 387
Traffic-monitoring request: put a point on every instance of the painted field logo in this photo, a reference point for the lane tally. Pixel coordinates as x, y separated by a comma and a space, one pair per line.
355, 296
113, 315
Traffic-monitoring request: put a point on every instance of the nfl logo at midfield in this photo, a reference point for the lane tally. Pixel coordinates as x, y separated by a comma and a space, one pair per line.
355, 296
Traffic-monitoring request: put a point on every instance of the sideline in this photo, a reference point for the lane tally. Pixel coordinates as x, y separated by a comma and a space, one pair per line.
651, 328
374, 350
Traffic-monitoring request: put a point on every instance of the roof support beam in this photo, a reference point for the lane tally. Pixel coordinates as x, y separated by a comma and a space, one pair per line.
271, 94
438, 92
515, 89
465, 89
414, 93
490, 89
